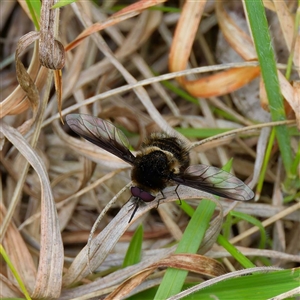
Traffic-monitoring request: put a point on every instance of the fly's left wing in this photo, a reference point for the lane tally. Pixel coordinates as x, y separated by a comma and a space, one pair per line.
101, 133
214, 181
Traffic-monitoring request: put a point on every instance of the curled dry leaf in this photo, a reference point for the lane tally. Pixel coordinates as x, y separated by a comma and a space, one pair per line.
191, 262
220, 83
239, 40
49, 276
234, 44
17, 102
105, 285
25, 80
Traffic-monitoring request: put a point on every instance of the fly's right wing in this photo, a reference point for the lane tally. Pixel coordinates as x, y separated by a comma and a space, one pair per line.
101, 133
214, 181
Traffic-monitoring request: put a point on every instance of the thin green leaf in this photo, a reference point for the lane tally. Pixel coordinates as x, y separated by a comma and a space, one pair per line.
296, 162
35, 12
201, 132
226, 228
255, 286
262, 40
227, 167
134, 251
265, 162
189, 210
174, 279
62, 3
243, 260
178, 91
254, 222
15, 273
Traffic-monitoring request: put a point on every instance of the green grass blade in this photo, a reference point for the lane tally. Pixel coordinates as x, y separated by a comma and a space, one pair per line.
262, 40
201, 132
15, 273
62, 3
35, 12
190, 242
255, 222
189, 210
134, 251
265, 164
243, 260
255, 287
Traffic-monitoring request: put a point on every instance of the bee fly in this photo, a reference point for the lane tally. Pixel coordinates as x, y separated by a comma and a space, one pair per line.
162, 161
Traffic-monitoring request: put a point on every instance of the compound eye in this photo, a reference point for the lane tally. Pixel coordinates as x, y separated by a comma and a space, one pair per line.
145, 196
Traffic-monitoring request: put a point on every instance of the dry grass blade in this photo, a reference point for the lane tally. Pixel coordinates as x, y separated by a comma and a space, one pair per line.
219, 252
49, 273
19, 254
128, 12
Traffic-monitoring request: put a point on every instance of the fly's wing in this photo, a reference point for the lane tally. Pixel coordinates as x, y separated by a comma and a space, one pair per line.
102, 134
215, 181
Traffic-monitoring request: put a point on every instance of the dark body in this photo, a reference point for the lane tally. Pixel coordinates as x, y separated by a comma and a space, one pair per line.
156, 163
